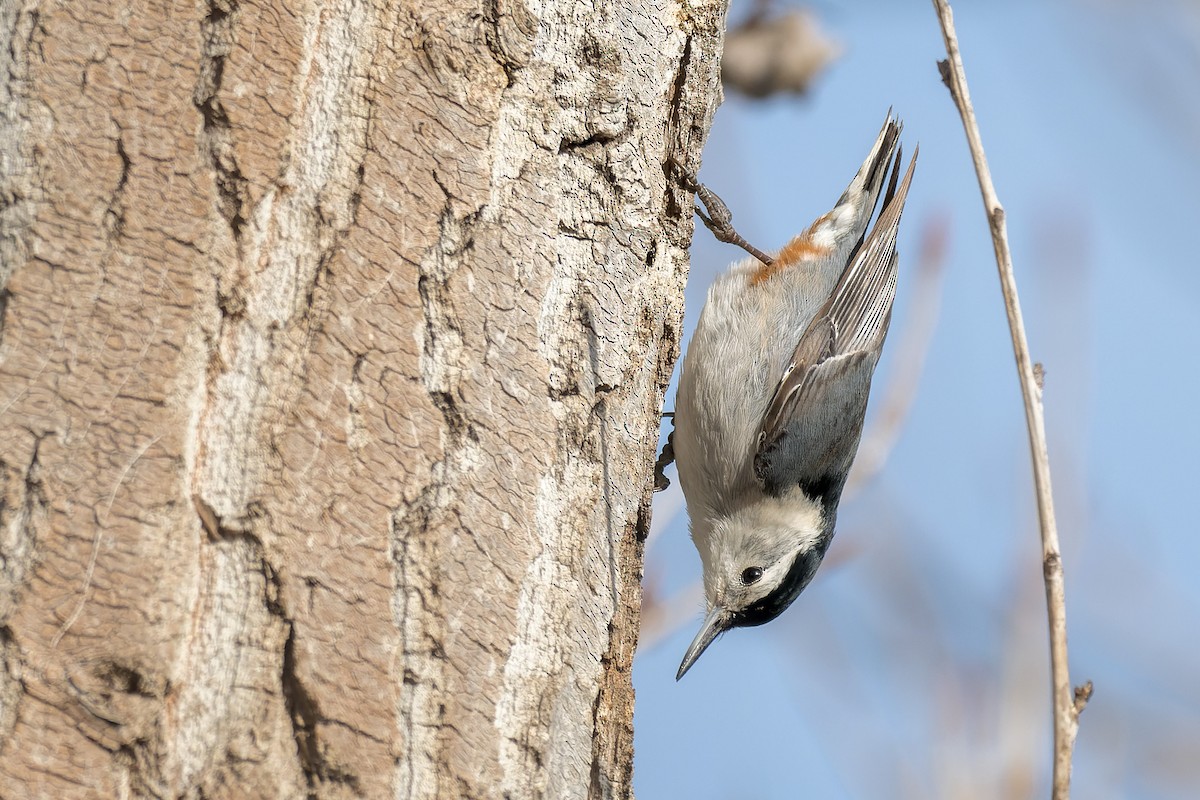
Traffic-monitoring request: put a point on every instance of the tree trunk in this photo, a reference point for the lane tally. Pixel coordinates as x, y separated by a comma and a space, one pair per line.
332, 347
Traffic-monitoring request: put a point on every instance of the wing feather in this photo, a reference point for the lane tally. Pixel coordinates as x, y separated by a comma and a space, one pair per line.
806, 437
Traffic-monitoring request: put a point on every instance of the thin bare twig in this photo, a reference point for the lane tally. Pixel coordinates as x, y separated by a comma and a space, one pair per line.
1068, 703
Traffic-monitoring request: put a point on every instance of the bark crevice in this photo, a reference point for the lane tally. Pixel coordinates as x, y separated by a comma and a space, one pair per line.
216, 135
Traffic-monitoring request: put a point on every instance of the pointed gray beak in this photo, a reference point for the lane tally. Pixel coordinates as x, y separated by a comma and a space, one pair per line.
716, 623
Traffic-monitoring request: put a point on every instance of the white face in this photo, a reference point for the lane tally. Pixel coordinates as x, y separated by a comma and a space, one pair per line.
754, 552
756, 562
752, 565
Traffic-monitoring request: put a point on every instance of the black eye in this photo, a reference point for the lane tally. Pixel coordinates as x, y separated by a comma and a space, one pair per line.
751, 575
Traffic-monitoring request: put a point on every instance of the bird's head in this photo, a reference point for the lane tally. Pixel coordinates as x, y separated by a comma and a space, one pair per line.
756, 562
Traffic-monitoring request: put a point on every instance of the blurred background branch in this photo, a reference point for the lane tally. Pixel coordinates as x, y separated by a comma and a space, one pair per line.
776, 53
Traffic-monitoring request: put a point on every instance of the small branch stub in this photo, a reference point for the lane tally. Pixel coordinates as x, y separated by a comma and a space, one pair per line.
1082, 695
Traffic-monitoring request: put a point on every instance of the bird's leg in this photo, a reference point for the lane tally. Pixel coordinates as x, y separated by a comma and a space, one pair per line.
719, 218
666, 458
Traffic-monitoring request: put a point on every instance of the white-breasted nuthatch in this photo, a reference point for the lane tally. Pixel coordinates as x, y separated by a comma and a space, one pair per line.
772, 395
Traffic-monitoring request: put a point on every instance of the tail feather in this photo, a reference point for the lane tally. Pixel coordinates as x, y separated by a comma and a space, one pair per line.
843, 228
827, 245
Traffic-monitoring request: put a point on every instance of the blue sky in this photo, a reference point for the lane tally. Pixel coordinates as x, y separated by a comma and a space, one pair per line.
915, 665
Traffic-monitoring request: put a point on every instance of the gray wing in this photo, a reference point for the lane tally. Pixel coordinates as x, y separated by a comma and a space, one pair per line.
811, 428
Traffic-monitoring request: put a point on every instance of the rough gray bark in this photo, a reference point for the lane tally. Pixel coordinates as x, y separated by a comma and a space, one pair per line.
333, 338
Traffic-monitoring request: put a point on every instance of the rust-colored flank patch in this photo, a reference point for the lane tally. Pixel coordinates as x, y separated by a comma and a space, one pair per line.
798, 249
